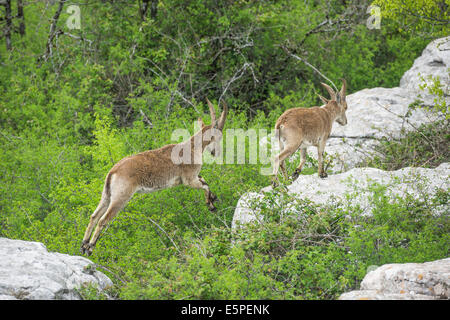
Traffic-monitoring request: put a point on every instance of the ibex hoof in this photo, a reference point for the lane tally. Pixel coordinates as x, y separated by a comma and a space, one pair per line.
275, 183
323, 175
212, 197
296, 174
87, 248
83, 246
212, 208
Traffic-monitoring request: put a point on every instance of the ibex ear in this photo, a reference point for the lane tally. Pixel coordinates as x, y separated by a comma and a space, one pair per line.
212, 112
330, 91
343, 88
323, 99
200, 123
223, 116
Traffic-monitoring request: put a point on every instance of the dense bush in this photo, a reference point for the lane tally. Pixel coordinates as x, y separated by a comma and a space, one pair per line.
316, 253
124, 81
425, 147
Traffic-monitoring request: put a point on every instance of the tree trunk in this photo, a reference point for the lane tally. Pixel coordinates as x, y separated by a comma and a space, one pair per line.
153, 9
21, 17
8, 25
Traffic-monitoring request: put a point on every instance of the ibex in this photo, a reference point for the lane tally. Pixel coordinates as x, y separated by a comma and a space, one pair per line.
303, 127
155, 170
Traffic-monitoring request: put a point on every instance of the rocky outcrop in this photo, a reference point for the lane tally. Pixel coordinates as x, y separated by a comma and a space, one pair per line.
379, 113
373, 114
28, 271
415, 182
408, 281
434, 61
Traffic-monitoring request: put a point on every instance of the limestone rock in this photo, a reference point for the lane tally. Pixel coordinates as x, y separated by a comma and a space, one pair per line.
28, 271
435, 61
408, 281
412, 181
379, 113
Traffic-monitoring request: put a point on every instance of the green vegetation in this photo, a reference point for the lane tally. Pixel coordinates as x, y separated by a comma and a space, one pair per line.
428, 17
425, 147
316, 254
128, 77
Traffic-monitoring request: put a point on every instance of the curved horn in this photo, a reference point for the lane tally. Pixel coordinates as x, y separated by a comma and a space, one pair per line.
344, 87
330, 91
212, 112
223, 116
323, 99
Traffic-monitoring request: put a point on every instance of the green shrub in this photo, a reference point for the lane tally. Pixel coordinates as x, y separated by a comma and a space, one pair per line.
121, 85
315, 253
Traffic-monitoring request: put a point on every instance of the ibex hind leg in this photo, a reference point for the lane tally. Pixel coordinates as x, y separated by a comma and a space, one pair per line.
283, 163
120, 193
98, 213
289, 149
320, 152
111, 212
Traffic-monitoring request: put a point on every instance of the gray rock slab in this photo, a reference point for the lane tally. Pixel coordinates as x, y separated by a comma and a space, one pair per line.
435, 61
416, 182
28, 271
407, 281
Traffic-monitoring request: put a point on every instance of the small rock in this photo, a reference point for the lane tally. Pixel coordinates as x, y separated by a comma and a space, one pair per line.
407, 281
29, 272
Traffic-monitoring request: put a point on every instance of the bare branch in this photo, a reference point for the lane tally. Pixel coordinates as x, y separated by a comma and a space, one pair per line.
235, 77
146, 119
52, 33
309, 65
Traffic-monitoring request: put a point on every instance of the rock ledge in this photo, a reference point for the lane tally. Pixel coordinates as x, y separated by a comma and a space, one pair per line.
408, 281
29, 272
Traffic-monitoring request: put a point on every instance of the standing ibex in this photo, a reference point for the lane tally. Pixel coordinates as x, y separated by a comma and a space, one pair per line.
303, 127
154, 170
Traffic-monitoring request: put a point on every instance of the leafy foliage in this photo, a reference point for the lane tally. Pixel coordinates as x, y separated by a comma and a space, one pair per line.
425, 16
124, 81
425, 147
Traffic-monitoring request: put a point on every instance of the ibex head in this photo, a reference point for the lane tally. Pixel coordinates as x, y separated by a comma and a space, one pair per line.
214, 130
339, 97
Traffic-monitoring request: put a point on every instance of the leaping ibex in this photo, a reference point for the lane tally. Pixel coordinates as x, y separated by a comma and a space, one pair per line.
303, 127
155, 170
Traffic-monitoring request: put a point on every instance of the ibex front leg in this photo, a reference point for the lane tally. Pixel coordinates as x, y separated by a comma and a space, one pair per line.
200, 183
320, 152
300, 166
